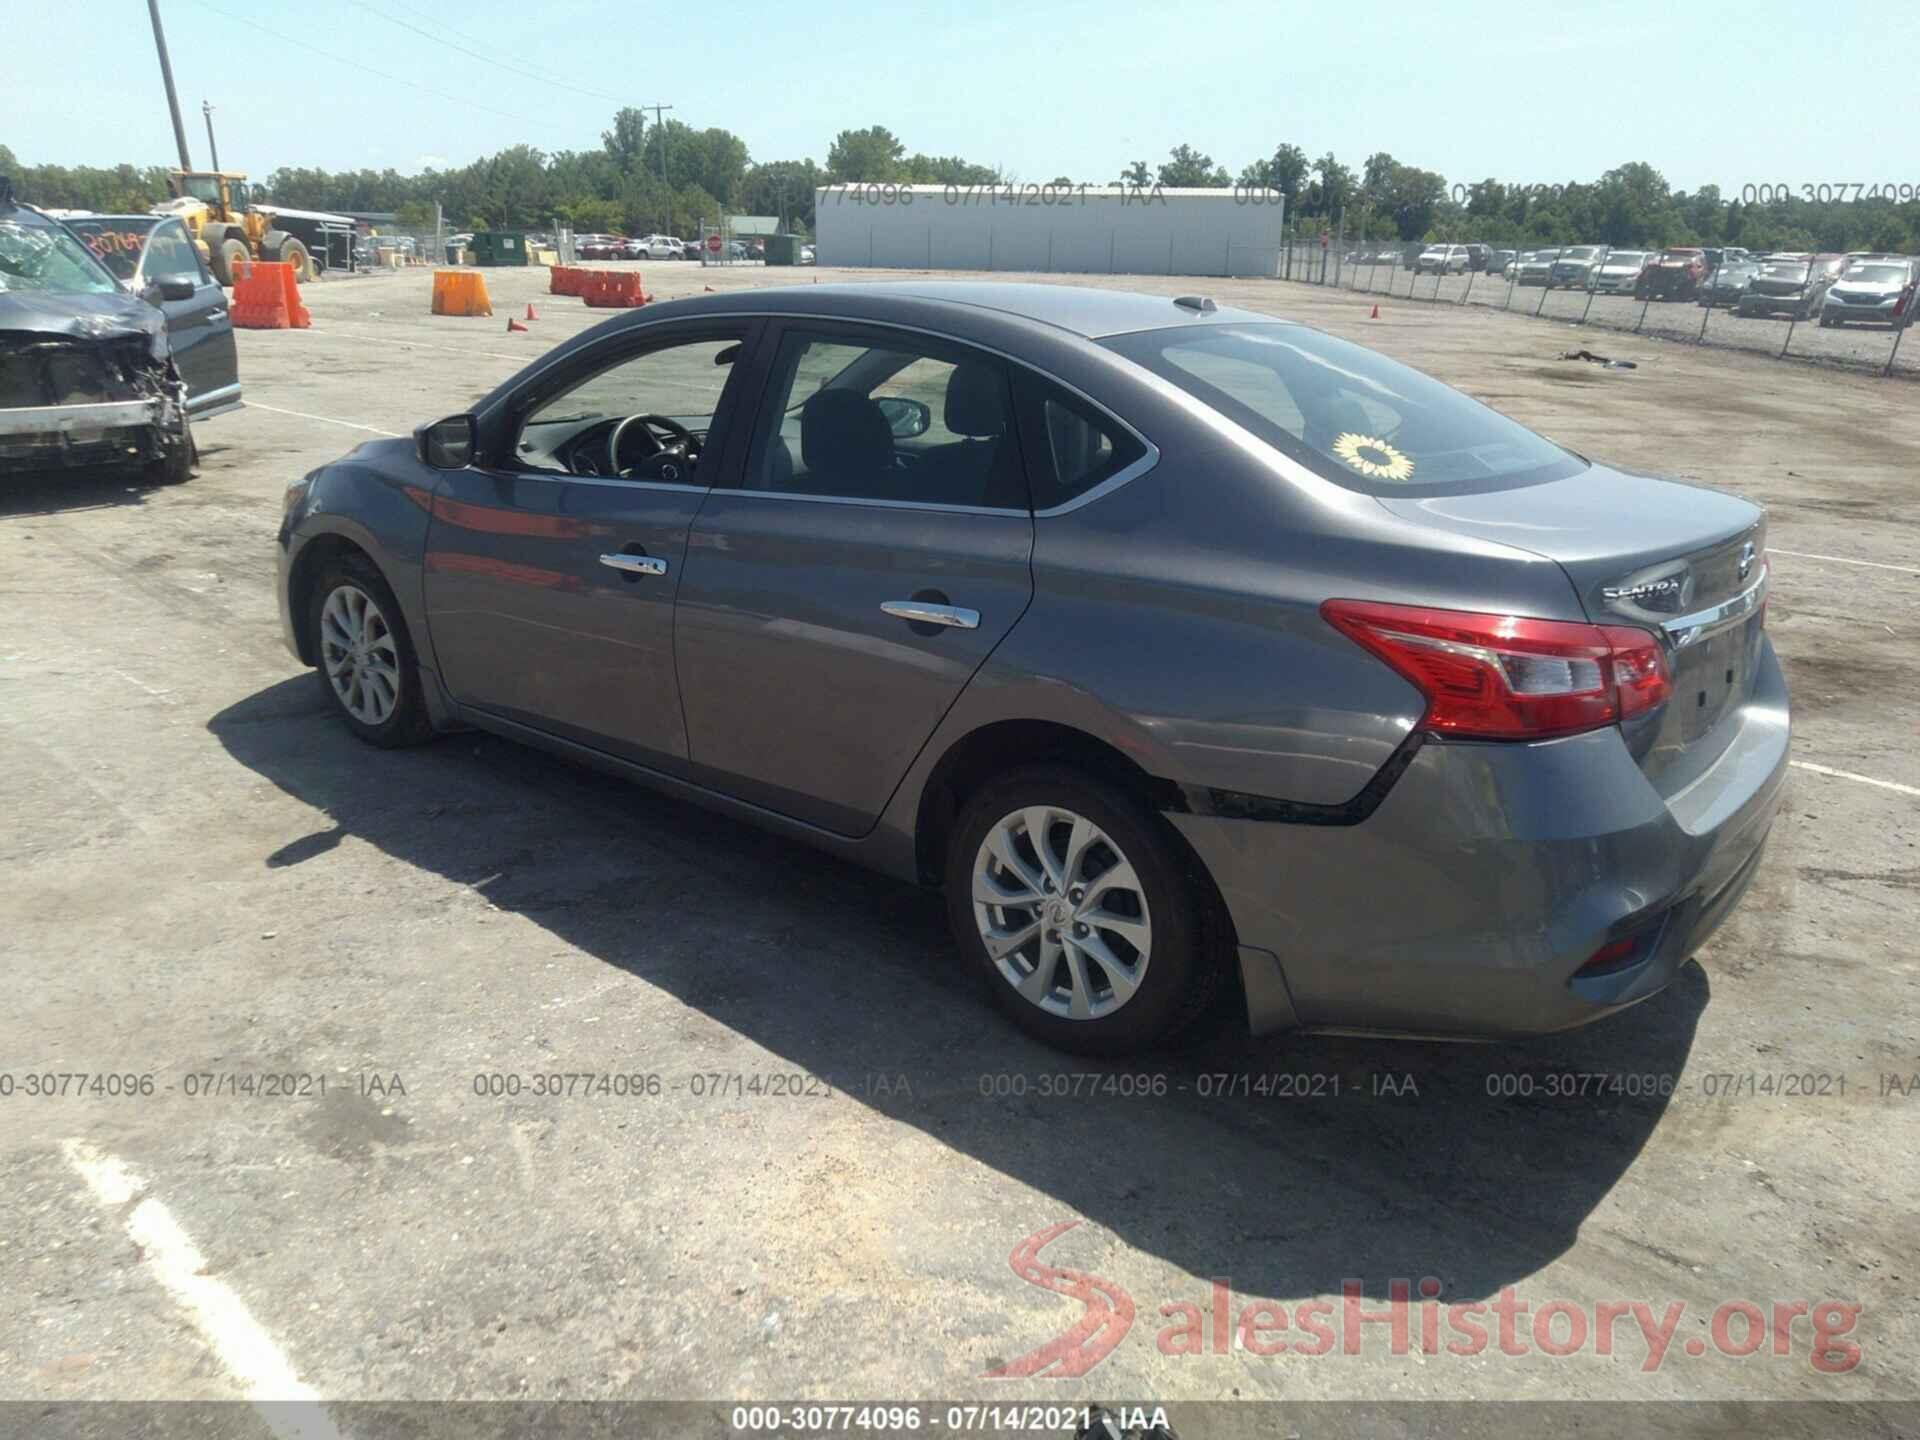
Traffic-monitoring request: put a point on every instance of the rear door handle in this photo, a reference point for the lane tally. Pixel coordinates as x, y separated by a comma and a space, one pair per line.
929, 614
635, 564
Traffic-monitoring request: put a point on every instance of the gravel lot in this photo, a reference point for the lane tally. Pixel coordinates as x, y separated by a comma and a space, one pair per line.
207, 877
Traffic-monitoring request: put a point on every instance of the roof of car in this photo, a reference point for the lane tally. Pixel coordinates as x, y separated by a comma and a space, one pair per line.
1080, 309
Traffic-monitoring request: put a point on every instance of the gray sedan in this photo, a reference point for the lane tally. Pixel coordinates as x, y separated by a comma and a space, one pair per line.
1207, 662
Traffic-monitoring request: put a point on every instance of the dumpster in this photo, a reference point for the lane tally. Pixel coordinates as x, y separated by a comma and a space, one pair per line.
783, 249
498, 247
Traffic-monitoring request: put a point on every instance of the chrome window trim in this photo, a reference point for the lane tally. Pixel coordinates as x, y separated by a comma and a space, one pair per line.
1686, 629
1106, 487
928, 506
561, 479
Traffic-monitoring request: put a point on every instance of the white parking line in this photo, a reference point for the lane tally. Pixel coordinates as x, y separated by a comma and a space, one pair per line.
1843, 560
323, 419
1892, 785
401, 342
289, 1407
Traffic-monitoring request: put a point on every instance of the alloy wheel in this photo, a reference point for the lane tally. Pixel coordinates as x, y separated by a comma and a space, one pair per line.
1062, 912
361, 657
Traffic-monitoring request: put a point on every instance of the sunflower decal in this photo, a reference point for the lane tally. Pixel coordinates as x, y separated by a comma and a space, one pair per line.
1375, 457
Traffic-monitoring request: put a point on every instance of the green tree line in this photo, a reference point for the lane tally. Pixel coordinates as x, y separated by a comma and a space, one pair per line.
670, 176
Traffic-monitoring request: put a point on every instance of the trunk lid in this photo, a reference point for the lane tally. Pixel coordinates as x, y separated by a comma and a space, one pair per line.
1648, 552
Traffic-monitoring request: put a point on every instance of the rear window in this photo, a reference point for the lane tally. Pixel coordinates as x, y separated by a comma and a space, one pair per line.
1346, 413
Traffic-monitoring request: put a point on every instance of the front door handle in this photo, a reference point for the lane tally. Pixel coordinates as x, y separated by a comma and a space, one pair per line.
635, 564
924, 613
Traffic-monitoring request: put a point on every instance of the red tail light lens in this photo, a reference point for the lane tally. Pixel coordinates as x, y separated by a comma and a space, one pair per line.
1505, 677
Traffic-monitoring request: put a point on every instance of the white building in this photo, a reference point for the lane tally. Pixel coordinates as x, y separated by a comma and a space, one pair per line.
1106, 230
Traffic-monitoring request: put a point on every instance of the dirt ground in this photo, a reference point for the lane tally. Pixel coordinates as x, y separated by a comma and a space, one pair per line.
207, 877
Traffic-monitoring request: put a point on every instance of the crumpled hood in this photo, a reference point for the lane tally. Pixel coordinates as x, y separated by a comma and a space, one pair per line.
82, 317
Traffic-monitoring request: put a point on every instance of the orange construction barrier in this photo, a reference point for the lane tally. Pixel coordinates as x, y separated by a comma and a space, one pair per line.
614, 290
267, 297
460, 292
565, 280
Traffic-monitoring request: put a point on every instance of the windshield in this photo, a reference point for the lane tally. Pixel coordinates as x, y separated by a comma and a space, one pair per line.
1627, 257
1348, 414
1583, 252
1786, 272
115, 243
1879, 274
38, 256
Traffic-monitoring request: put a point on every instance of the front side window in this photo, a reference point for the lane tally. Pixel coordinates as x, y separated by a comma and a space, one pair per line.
643, 417
887, 417
171, 256
1346, 413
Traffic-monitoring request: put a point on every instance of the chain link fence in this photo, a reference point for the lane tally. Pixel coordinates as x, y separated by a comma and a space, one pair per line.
1816, 308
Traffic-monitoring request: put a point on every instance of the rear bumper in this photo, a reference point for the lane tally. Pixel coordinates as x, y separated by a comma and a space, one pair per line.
1490, 874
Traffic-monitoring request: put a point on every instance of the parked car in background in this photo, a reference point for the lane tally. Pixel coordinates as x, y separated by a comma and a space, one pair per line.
1535, 267
1430, 655
806, 255
1442, 260
113, 339
1674, 274
1498, 261
1478, 255
1724, 255
599, 247
1575, 266
1791, 287
1727, 284
1878, 292
1617, 272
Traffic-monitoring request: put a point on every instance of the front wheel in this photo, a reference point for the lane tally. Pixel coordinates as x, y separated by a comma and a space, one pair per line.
365, 654
294, 252
1073, 903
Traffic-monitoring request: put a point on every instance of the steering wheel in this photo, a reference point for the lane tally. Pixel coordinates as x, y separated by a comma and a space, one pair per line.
679, 444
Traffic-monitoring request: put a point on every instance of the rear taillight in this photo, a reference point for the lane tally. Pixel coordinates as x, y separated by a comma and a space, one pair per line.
1505, 677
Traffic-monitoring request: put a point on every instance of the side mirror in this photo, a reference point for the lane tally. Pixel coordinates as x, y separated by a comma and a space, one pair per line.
446, 444
906, 418
177, 289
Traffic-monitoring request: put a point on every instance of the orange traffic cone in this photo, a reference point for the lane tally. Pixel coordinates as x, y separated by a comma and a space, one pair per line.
530, 314
513, 325
1376, 313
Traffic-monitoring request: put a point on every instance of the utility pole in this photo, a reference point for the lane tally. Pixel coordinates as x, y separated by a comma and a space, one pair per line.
656, 109
206, 109
166, 74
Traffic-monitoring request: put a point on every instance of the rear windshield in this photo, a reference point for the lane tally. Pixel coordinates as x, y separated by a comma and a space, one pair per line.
1347, 413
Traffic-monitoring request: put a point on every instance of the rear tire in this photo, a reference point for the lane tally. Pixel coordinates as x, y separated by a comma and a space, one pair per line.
1137, 981
367, 664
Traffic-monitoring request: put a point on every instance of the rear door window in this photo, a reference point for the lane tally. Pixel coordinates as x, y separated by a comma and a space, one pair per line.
1071, 447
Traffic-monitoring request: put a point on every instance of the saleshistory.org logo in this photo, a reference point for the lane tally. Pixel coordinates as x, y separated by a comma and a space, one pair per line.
1506, 1324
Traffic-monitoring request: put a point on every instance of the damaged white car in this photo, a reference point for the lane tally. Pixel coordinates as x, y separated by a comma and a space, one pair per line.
88, 370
